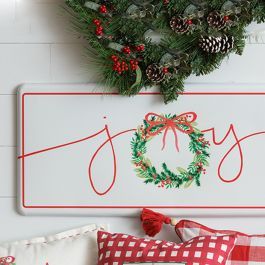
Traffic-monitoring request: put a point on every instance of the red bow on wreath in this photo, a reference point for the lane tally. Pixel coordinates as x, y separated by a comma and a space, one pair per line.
175, 123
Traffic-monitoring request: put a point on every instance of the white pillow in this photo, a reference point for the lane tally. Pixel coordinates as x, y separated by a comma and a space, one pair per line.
74, 247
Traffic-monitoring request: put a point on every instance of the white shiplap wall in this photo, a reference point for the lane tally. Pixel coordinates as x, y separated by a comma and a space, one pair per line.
36, 45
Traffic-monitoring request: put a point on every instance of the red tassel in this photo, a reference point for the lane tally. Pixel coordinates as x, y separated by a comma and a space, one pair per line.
153, 221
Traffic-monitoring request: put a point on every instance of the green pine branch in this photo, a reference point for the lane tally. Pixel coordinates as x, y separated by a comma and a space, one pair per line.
124, 30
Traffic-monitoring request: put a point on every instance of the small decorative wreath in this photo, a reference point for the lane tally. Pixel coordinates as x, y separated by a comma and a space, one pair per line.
154, 125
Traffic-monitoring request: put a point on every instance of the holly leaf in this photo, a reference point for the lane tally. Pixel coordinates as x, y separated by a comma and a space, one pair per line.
206, 163
187, 184
182, 170
147, 161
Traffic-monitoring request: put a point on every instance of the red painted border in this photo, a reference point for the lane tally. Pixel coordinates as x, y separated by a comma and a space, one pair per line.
118, 207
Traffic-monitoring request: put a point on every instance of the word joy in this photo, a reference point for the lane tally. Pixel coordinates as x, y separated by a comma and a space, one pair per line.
111, 139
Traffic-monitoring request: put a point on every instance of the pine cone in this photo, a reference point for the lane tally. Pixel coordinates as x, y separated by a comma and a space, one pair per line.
179, 24
155, 73
210, 44
216, 20
227, 44
216, 44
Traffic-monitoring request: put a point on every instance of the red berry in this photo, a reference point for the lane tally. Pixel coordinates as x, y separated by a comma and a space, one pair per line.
190, 22
126, 50
133, 64
226, 18
103, 9
114, 58
165, 70
99, 33
100, 28
97, 22
140, 48
134, 67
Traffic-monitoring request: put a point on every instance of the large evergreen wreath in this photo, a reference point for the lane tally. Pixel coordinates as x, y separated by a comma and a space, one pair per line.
167, 178
194, 36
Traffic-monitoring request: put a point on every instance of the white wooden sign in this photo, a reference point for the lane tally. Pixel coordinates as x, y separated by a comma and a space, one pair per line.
82, 152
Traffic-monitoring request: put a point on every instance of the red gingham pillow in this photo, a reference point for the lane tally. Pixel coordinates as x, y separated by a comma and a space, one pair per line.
117, 249
248, 250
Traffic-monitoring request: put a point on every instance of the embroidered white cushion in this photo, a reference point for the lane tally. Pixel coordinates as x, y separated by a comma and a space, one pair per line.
77, 246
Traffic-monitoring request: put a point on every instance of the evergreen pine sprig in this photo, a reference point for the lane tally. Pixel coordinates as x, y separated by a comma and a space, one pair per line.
141, 43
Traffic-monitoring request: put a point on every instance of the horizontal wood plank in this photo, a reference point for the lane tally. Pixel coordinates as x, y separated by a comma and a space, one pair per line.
22, 63
7, 120
70, 64
8, 172
30, 21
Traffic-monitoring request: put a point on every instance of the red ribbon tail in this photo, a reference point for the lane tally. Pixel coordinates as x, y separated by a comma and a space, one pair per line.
164, 139
176, 140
